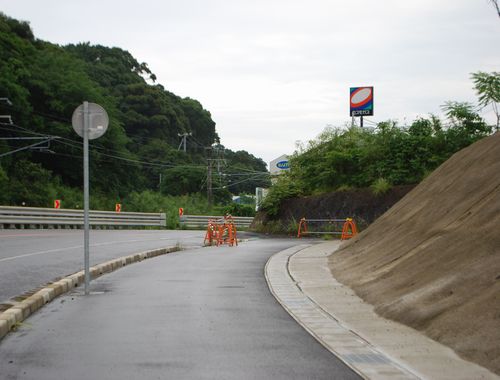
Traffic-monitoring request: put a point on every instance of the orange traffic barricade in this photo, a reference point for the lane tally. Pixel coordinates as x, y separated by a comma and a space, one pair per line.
221, 231
349, 228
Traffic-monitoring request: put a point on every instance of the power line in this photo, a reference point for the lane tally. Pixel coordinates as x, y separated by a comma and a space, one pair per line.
246, 174
249, 173
127, 134
78, 145
234, 183
47, 140
24, 129
148, 163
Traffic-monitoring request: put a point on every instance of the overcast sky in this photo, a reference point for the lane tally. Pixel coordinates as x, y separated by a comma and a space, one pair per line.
272, 72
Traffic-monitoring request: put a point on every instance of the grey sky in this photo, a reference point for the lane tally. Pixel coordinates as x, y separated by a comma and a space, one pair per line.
277, 71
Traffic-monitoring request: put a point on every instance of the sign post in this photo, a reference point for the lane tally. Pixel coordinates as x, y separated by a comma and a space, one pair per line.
90, 121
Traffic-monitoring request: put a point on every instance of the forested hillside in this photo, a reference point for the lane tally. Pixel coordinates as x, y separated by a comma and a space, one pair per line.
40, 86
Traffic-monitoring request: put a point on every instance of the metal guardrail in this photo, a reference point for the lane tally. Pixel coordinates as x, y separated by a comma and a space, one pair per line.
201, 221
36, 217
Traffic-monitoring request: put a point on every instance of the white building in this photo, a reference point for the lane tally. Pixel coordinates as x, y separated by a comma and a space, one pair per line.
279, 165
260, 194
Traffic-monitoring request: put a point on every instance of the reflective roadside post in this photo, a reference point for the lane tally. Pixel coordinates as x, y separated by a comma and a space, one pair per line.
90, 121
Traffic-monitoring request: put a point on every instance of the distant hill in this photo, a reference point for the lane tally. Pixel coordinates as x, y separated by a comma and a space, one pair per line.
46, 82
433, 260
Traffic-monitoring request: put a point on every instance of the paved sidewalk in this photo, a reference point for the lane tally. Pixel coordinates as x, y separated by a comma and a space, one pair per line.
374, 347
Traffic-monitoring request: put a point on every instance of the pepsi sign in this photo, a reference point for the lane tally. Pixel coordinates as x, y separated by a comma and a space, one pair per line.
283, 165
361, 101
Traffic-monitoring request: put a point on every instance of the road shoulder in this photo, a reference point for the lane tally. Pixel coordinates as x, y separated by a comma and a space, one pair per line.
374, 347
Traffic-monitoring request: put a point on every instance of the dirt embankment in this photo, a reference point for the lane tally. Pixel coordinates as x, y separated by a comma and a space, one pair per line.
433, 260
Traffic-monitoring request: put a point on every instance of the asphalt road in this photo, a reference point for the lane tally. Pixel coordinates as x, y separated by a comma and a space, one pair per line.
31, 258
196, 314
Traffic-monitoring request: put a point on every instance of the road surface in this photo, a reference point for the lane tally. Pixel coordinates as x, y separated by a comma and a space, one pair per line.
31, 258
196, 314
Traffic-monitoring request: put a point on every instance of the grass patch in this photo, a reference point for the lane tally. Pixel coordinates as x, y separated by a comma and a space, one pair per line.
381, 186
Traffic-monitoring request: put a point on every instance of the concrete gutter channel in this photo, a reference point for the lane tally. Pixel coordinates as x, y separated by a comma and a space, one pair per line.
21, 310
374, 347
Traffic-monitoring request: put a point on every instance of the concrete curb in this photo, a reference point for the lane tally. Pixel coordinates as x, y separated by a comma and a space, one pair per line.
19, 311
375, 347
285, 298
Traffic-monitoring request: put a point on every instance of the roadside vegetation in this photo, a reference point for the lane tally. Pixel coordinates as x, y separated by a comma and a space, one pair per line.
387, 154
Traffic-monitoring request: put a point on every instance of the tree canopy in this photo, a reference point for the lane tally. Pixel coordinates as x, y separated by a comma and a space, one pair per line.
44, 83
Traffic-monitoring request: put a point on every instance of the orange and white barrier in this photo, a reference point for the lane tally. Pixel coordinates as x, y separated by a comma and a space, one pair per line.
349, 228
221, 231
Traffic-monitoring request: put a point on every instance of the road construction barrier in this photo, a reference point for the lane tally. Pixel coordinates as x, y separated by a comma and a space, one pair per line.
349, 228
38, 217
221, 231
201, 221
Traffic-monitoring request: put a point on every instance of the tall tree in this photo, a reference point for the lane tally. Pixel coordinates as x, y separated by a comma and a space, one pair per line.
495, 4
488, 89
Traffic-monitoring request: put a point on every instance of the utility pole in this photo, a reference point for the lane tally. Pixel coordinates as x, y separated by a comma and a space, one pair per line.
215, 158
209, 177
183, 140
218, 158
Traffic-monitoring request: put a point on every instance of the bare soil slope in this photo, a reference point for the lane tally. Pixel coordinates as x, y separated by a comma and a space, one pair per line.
433, 260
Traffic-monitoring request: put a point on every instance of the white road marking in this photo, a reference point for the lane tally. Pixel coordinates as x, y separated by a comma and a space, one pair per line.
78, 246
39, 253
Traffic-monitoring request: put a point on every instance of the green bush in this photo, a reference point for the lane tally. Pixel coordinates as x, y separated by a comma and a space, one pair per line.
236, 209
32, 185
150, 201
284, 188
70, 197
4, 191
